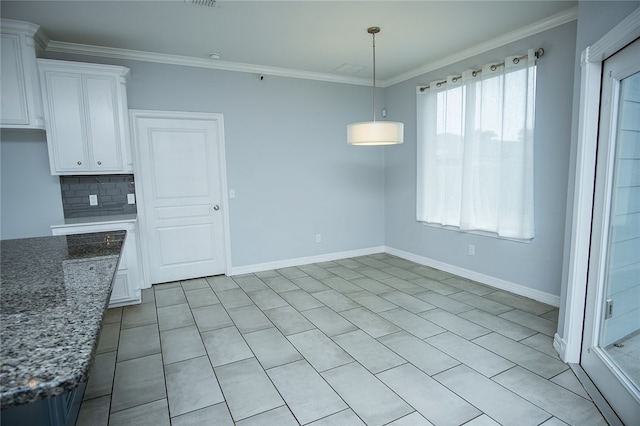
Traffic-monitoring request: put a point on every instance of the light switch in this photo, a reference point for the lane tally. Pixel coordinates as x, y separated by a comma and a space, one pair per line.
93, 200
232, 193
131, 198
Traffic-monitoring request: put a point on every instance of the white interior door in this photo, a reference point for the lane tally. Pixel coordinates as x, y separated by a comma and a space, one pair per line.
179, 178
611, 340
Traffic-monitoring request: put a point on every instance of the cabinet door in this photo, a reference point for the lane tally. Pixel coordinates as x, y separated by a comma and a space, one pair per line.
65, 125
14, 99
121, 291
102, 123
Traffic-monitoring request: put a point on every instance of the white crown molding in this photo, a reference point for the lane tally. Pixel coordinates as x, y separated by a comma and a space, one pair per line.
553, 21
618, 37
162, 58
137, 55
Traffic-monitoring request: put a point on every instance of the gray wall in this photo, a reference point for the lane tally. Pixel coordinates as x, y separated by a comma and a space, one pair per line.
30, 201
537, 265
595, 19
287, 158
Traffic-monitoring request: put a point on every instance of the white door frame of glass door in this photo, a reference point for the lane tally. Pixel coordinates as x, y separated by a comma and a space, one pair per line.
611, 381
569, 343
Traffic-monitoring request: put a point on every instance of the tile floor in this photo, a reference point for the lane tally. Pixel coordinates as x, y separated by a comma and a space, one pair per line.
370, 340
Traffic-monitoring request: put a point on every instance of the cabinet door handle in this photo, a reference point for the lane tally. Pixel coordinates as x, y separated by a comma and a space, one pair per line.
99, 163
79, 163
216, 207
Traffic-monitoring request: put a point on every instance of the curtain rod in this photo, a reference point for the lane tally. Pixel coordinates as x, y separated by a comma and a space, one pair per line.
538, 53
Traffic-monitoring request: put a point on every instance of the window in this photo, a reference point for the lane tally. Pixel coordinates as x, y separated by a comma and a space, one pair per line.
475, 149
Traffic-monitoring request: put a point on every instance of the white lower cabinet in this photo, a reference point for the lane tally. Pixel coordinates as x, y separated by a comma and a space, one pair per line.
128, 281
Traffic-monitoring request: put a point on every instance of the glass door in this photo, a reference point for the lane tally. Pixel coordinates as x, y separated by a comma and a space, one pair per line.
611, 341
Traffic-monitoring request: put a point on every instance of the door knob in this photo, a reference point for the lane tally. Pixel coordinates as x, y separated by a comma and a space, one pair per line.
216, 207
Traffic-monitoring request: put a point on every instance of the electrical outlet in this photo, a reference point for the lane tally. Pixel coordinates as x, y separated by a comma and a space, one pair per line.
131, 198
318, 238
93, 200
472, 250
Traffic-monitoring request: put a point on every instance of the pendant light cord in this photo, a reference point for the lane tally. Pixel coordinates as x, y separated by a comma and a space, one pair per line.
374, 75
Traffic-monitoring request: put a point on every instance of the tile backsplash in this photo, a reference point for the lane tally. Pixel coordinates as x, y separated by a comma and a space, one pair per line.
111, 191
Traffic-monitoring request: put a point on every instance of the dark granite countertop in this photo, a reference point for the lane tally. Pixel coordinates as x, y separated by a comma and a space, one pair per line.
54, 292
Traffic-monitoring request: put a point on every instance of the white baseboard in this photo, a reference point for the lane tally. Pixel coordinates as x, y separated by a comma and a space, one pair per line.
540, 296
268, 266
560, 346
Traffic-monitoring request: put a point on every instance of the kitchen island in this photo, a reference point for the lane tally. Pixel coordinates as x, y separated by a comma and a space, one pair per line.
54, 292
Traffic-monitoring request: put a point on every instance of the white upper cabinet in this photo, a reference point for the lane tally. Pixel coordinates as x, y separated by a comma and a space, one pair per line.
20, 94
85, 108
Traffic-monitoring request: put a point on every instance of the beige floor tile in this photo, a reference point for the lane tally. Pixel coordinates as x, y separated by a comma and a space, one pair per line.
201, 297
137, 315
367, 321
319, 350
435, 402
94, 412
412, 323
522, 355
329, 322
217, 414
373, 355
474, 356
225, 345
460, 326
343, 418
267, 299
417, 352
367, 396
300, 300
249, 318
345, 342
247, 389
153, 413
497, 402
288, 320
191, 385
101, 374
138, 381
408, 302
280, 284
335, 300
271, 348
280, 416
109, 336
563, 404
306, 393
211, 317
500, 325
139, 341
413, 419
174, 316
531, 321
179, 344
170, 296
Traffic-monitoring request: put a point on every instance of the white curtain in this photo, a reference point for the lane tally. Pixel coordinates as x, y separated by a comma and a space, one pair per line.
475, 149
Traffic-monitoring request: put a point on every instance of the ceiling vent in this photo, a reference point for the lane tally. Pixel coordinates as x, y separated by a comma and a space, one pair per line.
207, 3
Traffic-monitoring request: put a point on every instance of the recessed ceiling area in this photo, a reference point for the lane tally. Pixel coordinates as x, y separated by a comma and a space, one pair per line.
325, 37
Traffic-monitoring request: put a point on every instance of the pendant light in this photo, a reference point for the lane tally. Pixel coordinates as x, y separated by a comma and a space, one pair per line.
375, 132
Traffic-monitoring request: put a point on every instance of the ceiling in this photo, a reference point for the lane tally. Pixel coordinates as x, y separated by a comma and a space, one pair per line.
319, 39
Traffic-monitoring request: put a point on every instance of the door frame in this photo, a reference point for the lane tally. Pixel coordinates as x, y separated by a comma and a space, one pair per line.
570, 344
134, 115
